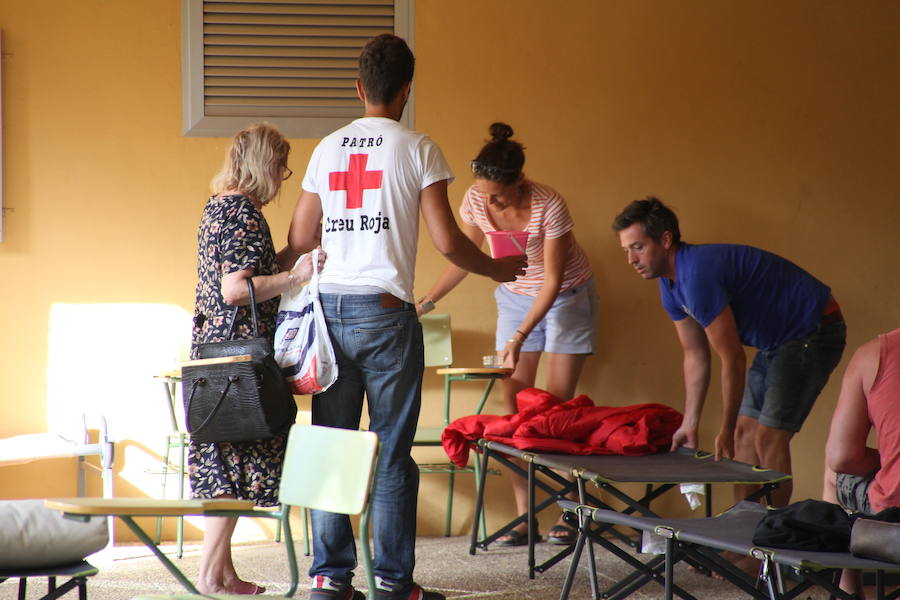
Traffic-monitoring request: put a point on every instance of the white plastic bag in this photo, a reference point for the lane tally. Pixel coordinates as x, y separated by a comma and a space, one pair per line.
693, 493
302, 347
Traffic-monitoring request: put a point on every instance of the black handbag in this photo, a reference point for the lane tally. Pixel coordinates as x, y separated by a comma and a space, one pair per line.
244, 398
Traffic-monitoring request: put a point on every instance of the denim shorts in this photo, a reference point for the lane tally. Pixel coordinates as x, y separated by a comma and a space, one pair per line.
569, 327
783, 384
853, 492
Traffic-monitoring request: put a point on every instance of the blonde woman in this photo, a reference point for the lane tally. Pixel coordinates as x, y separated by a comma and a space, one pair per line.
235, 245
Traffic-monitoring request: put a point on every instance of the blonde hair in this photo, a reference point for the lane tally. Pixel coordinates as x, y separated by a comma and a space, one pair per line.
254, 164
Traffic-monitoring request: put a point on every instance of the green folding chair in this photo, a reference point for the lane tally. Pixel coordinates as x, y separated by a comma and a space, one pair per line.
324, 469
439, 353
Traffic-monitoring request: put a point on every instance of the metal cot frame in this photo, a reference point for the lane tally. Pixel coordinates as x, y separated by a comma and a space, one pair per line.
697, 541
657, 472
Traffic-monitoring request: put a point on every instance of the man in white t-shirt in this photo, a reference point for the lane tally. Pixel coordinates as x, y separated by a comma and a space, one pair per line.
365, 184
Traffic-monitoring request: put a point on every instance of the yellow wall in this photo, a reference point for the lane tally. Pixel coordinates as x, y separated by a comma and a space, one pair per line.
772, 124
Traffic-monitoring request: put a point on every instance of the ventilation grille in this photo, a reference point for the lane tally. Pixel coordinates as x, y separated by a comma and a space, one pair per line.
287, 58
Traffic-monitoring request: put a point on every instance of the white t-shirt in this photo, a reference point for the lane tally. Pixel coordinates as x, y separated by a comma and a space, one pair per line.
368, 175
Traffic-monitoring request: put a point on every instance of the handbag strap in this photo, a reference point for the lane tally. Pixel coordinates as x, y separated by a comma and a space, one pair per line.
215, 409
255, 317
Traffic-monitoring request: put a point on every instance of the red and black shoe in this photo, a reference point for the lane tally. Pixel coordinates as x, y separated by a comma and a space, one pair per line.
326, 588
410, 591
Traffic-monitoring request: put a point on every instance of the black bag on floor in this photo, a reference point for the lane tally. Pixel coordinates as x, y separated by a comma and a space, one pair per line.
237, 401
813, 525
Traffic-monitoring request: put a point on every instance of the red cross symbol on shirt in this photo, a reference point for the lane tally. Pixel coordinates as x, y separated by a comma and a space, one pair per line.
355, 180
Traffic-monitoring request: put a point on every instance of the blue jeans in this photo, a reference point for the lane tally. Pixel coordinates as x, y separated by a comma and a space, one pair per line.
380, 354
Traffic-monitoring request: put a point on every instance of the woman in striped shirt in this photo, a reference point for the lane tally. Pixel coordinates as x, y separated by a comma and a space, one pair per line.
551, 309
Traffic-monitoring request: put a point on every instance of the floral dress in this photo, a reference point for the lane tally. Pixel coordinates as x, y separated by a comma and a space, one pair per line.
233, 236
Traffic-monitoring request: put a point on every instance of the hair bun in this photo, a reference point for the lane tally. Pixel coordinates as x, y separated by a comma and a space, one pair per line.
500, 132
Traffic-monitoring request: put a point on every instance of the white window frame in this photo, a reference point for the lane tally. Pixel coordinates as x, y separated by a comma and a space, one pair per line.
198, 124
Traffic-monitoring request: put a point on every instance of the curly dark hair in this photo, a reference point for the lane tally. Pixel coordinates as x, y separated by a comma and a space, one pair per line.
654, 217
386, 64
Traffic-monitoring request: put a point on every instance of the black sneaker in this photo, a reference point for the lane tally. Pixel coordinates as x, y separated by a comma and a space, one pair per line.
326, 588
411, 591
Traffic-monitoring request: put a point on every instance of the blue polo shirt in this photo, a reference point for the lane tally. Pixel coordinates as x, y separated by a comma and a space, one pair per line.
773, 300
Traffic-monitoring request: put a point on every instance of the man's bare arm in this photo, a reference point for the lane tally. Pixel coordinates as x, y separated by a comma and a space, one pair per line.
696, 379
306, 224
846, 450
725, 340
453, 243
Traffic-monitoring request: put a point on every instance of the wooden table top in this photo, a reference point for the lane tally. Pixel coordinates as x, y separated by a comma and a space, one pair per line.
498, 371
143, 506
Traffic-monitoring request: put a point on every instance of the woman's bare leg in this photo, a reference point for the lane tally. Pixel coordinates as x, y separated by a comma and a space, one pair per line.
216, 557
217, 574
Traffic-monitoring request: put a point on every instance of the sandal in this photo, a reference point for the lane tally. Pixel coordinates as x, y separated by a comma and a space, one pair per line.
254, 591
517, 538
513, 538
562, 535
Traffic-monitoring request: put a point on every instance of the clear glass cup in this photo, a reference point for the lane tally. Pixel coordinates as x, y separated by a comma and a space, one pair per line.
491, 361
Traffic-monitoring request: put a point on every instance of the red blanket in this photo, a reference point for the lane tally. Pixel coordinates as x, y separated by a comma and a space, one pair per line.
547, 424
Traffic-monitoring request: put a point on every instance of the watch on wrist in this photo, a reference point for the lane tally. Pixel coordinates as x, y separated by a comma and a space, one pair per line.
426, 305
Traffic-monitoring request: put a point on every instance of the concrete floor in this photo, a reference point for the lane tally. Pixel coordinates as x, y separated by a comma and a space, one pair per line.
444, 564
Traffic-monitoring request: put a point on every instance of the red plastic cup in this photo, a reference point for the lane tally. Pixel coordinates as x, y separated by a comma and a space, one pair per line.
507, 243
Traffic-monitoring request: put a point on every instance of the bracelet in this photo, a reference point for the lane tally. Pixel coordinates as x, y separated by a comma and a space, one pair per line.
519, 331
513, 340
291, 281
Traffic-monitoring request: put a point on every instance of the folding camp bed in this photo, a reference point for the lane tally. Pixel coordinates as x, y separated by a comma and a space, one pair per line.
77, 574
21, 449
698, 541
657, 472
38, 543
29, 447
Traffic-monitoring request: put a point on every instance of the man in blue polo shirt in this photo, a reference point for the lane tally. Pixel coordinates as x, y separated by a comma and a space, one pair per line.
729, 296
